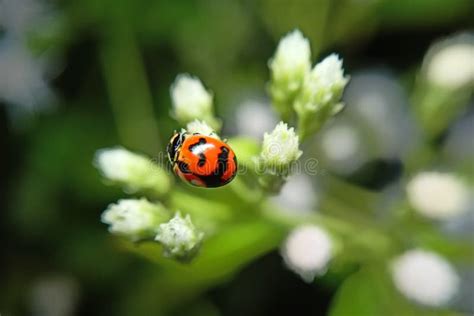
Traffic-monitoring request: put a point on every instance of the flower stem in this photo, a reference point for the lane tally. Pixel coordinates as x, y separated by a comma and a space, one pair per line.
128, 91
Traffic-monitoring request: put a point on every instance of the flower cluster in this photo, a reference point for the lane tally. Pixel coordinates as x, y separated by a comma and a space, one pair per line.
289, 67
141, 219
314, 94
133, 218
317, 241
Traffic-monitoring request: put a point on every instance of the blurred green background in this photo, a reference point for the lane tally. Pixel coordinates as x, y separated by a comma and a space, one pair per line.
103, 72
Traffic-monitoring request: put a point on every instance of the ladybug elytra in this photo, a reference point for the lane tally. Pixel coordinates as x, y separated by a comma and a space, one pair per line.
202, 160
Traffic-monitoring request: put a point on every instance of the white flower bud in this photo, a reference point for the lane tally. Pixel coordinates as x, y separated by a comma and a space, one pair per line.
280, 148
136, 219
425, 277
320, 96
307, 251
134, 171
289, 66
449, 63
191, 100
438, 195
200, 127
179, 237
323, 86
292, 60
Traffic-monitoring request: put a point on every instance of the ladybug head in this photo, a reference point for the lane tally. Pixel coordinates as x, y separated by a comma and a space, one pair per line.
174, 145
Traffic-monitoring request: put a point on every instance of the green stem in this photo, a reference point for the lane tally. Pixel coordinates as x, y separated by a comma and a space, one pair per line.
324, 25
249, 195
129, 92
200, 207
366, 237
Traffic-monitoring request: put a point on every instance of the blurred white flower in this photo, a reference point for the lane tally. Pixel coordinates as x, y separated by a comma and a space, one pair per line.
253, 118
425, 277
134, 171
298, 195
281, 147
191, 100
18, 17
449, 63
179, 237
342, 147
460, 226
464, 301
22, 80
377, 103
291, 62
340, 143
133, 218
459, 145
118, 163
200, 127
62, 290
438, 195
307, 251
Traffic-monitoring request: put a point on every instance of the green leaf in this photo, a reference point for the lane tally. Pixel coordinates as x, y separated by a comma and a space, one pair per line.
245, 149
369, 292
221, 256
357, 296
205, 212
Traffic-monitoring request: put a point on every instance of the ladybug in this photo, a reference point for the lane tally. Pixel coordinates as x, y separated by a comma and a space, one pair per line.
202, 160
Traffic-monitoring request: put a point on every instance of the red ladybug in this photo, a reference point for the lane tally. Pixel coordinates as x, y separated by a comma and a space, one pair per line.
201, 160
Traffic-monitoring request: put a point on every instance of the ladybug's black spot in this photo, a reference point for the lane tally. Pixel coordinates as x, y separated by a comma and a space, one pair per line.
215, 178
183, 167
222, 161
202, 160
202, 156
201, 141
